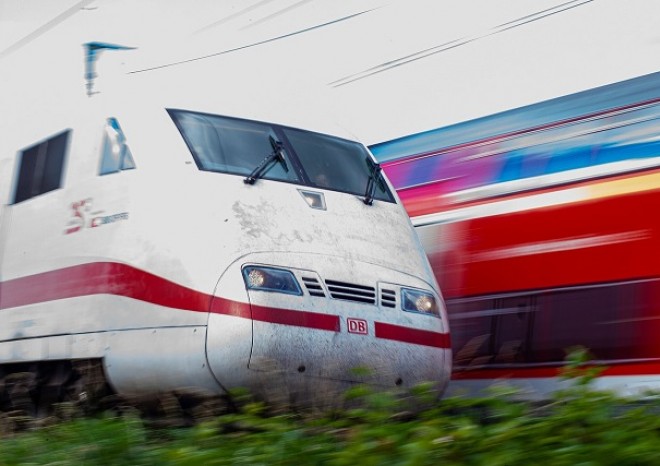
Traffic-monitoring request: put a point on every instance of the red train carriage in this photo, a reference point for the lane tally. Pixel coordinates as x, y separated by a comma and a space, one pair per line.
540, 225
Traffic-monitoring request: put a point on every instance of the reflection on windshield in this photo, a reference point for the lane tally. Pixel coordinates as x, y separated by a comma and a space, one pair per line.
229, 145
236, 146
334, 163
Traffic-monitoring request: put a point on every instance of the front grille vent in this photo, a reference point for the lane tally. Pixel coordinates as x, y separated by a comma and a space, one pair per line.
387, 298
313, 286
351, 292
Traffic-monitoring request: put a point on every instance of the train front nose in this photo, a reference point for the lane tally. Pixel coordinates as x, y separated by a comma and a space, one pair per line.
321, 324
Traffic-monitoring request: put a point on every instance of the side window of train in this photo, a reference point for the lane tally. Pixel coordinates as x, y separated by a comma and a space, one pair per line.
492, 330
614, 322
40, 167
115, 153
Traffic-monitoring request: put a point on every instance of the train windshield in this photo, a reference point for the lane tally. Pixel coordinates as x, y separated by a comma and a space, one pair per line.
239, 147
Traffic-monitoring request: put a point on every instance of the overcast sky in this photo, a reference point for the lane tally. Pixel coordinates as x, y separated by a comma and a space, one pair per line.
380, 69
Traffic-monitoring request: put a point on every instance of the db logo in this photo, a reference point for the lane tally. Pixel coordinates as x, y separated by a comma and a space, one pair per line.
358, 326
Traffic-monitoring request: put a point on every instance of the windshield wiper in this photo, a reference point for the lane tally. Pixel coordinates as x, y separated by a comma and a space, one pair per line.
374, 178
267, 163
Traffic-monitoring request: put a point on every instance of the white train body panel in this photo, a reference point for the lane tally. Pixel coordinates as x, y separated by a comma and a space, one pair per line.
143, 269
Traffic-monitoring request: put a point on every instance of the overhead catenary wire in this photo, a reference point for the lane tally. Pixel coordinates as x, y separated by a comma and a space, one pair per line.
255, 44
391, 64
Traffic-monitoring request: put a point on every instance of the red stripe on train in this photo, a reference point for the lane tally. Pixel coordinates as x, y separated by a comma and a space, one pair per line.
100, 278
412, 335
272, 315
123, 280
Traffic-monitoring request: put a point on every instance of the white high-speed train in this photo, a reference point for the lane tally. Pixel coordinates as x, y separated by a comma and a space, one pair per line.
165, 246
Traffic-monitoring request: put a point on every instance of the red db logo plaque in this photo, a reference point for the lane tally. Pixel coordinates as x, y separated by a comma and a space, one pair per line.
358, 326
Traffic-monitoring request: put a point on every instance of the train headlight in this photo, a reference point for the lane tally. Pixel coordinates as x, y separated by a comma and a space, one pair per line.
271, 279
419, 301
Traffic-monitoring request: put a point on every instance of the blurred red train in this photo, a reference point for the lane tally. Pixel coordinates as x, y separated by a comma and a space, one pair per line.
542, 227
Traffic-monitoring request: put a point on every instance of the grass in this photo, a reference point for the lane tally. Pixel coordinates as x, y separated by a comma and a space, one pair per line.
579, 426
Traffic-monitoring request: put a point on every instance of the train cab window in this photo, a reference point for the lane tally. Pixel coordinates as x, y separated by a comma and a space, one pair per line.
40, 167
231, 145
337, 164
115, 154
243, 147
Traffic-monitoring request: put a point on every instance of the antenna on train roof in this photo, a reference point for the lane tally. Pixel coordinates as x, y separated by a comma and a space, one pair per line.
92, 49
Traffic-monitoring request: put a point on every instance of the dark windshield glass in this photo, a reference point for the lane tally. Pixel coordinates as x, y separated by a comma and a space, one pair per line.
231, 146
337, 164
236, 146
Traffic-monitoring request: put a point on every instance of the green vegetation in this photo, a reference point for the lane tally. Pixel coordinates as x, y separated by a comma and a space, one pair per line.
579, 426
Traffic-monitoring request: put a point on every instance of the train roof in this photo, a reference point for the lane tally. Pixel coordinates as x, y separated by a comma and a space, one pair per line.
612, 96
